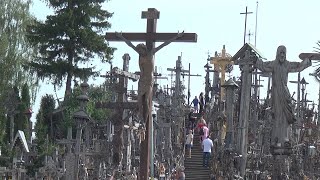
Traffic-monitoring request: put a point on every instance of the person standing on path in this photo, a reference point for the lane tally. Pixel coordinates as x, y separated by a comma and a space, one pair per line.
205, 133
207, 146
195, 103
192, 120
200, 125
189, 142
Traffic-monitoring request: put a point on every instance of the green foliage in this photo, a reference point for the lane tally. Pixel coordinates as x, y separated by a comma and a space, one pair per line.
36, 164
98, 94
43, 122
95, 94
20, 102
14, 48
15, 51
25, 95
74, 35
21, 120
42, 127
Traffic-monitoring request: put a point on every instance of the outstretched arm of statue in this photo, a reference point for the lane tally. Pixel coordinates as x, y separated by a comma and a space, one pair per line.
264, 66
129, 43
300, 66
168, 42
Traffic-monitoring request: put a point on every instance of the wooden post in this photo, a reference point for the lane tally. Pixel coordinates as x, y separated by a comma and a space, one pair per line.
296, 127
246, 78
207, 87
230, 86
11, 127
120, 105
81, 119
245, 58
177, 110
255, 97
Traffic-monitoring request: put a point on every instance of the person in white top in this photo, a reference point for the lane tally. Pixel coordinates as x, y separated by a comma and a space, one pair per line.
207, 146
189, 142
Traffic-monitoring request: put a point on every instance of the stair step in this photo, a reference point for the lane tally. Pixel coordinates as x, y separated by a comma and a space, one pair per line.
193, 166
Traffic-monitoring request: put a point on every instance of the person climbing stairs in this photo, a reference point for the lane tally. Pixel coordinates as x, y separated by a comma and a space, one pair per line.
193, 166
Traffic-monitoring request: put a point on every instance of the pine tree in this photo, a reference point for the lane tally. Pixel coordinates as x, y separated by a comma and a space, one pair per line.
74, 35
47, 106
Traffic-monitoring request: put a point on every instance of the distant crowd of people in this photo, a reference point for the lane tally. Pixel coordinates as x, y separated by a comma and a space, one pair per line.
199, 126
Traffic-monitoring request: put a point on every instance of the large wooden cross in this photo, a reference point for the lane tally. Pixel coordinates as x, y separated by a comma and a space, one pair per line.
150, 37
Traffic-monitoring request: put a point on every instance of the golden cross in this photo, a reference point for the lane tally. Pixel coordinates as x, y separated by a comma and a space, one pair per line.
220, 61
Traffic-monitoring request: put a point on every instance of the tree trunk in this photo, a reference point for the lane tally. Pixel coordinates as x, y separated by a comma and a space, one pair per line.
69, 76
68, 86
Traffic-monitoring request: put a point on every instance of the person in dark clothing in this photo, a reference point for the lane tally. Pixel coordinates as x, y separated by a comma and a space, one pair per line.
192, 120
195, 103
201, 103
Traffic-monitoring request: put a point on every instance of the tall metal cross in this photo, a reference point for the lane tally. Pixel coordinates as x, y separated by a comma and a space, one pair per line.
150, 37
245, 24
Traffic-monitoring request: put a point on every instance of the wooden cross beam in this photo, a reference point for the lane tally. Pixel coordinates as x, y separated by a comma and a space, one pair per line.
150, 37
156, 37
119, 72
175, 70
155, 76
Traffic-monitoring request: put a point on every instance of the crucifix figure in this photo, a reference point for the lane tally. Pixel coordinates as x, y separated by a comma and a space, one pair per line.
146, 62
282, 106
146, 65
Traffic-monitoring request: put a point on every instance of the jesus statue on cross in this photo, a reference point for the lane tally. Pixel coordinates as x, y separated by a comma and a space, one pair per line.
282, 106
146, 65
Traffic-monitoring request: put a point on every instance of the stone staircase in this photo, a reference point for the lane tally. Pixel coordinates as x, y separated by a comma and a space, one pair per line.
193, 166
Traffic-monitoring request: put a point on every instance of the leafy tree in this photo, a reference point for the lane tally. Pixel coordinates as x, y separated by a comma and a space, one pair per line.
14, 48
74, 35
15, 51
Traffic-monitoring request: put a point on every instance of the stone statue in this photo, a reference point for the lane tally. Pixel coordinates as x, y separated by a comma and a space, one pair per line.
146, 65
282, 106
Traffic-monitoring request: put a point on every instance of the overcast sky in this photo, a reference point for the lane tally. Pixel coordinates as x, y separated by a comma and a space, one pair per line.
292, 23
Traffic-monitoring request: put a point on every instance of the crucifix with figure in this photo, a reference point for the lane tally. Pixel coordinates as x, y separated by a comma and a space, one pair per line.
146, 64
